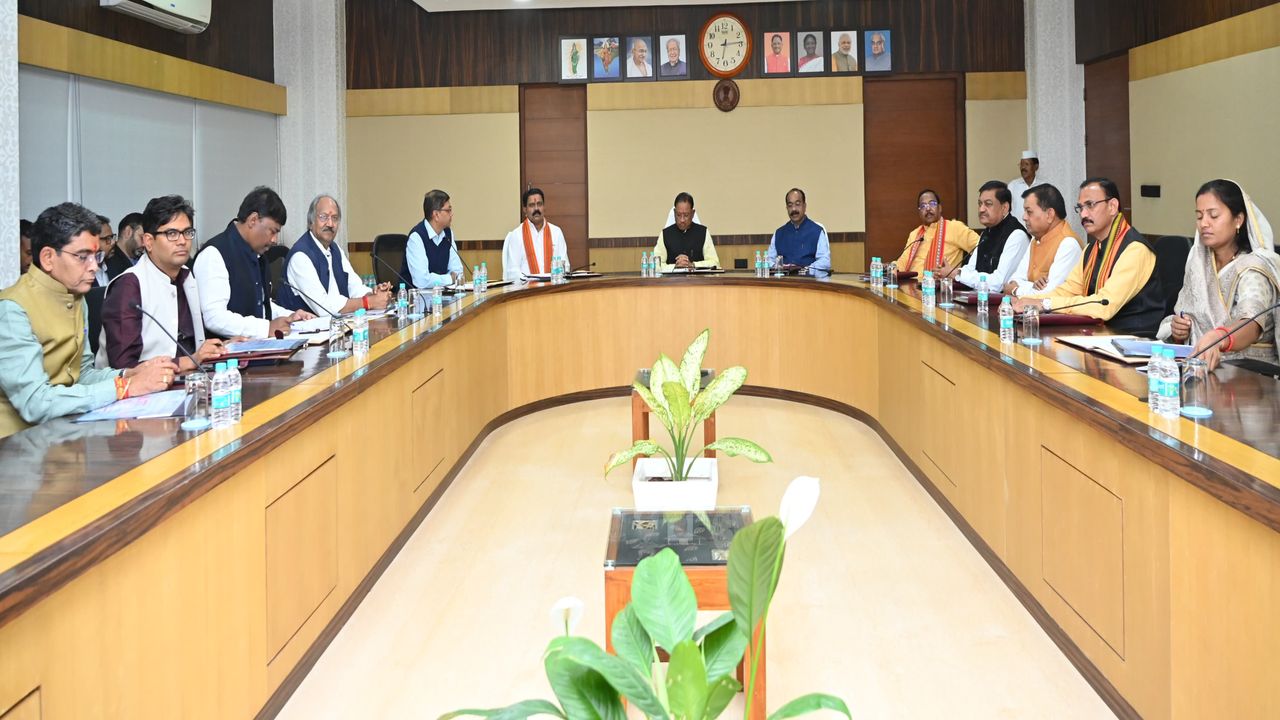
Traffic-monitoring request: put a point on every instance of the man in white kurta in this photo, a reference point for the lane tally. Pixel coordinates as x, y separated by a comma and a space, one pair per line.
1028, 170
529, 248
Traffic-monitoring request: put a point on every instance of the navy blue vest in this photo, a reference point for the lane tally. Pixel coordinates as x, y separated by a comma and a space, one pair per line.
308, 246
437, 255
250, 279
798, 245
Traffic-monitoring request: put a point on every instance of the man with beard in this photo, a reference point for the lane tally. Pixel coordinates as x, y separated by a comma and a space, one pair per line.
529, 248
1001, 245
936, 242
128, 245
318, 267
802, 241
1028, 177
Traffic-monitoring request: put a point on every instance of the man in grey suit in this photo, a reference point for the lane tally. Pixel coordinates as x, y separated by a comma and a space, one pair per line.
674, 66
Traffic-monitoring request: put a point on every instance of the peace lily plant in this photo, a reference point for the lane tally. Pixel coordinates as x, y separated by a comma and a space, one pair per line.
673, 396
698, 683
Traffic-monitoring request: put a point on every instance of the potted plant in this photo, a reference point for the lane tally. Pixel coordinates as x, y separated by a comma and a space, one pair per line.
698, 682
680, 479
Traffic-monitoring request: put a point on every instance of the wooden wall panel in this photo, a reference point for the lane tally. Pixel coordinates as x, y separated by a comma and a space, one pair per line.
394, 43
1106, 126
553, 157
239, 38
1105, 28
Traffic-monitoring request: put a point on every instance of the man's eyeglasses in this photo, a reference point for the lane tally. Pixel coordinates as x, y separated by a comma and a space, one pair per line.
107, 238
1089, 205
326, 218
172, 234
85, 256
927, 205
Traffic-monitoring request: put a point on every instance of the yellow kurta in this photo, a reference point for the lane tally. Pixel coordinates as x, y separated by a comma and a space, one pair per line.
960, 240
1132, 270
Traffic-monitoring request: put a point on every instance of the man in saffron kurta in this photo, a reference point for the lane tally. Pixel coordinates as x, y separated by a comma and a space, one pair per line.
1054, 251
529, 248
936, 242
1118, 266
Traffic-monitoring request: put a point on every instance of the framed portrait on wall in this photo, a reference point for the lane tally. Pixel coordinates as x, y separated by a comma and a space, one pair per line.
879, 55
673, 62
811, 55
637, 61
605, 65
776, 56
844, 51
574, 59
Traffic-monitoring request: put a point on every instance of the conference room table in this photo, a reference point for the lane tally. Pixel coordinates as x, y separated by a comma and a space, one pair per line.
146, 571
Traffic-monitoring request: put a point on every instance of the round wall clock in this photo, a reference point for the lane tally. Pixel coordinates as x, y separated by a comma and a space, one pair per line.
725, 45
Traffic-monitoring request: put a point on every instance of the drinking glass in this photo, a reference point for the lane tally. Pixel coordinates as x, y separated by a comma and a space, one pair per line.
1195, 389
1031, 325
891, 276
778, 270
946, 293
337, 339
198, 389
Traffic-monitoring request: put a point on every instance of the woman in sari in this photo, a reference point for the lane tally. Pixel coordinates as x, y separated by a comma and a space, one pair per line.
1233, 273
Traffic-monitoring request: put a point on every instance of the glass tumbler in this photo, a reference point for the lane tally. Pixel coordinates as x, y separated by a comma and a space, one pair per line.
1195, 389
198, 389
946, 293
1031, 325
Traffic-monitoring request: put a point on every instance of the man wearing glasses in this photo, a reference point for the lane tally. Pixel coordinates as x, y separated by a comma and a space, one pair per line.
321, 271
430, 255
46, 370
936, 243
802, 241
1117, 266
161, 284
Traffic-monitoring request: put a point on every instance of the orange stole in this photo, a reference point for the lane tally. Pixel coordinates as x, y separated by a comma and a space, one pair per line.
530, 257
936, 247
1045, 250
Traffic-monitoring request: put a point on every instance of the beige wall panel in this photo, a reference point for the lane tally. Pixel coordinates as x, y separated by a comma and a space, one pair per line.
837, 363
995, 136
995, 85
433, 101
1225, 589
738, 166
393, 161
1238, 35
1202, 123
772, 92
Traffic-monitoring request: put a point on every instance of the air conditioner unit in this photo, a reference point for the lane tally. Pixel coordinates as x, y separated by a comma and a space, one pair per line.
185, 16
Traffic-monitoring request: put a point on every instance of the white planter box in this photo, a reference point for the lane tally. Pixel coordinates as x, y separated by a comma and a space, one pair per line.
698, 492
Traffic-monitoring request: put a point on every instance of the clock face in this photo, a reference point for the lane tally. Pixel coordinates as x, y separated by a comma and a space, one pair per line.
725, 45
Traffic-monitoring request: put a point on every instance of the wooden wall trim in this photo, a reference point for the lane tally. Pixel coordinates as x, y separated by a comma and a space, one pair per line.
1106, 29
696, 94
1240, 35
995, 86
434, 101
645, 241
46, 45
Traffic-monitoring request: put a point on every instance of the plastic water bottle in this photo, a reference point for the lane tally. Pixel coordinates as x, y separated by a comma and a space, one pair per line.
220, 394
484, 278
1172, 405
360, 333
402, 301
235, 384
557, 275
759, 264
877, 273
644, 263
437, 303
1155, 381
928, 288
1006, 320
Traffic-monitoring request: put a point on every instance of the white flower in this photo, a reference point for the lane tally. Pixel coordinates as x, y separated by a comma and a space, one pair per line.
798, 503
566, 613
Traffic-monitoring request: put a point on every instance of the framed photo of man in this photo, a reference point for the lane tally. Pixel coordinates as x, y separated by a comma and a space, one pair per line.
673, 63
811, 58
638, 61
879, 55
844, 47
574, 59
606, 65
777, 53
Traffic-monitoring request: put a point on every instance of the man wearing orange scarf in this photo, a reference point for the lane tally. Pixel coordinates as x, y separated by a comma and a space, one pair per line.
1055, 250
936, 242
529, 248
1117, 266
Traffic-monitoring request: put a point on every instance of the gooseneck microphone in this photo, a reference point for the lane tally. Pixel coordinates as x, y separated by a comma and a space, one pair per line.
1233, 331
387, 265
1103, 301
168, 334
312, 300
580, 268
454, 247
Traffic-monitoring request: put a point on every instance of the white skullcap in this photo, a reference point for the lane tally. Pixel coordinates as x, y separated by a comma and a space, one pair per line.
1030, 155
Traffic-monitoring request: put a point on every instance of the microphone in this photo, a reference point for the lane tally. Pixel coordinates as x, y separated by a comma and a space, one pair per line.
312, 300
1233, 331
168, 334
1103, 301
580, 268
387, 265
454, 247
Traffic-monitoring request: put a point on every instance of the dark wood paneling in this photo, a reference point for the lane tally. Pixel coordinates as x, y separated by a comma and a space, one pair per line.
1106, 125
239, 38
914, 139
553, 157
1105, 27
394, 43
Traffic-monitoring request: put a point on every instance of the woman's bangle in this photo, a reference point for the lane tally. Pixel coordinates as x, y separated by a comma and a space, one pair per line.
1226, 335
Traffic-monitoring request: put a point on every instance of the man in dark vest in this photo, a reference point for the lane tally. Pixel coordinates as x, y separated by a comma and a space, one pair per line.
685, 244
802, 241
1117, 265
320, 270
431, 255
1001, 246
232, 275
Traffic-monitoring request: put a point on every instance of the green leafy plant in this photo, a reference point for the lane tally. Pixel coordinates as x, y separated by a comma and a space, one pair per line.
673, 396
698, 682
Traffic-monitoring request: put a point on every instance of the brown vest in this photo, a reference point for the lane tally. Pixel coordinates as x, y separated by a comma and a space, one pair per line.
57, 319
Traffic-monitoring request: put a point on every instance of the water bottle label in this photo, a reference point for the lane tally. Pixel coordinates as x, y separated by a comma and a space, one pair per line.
1006, 323
221, 401
235, 397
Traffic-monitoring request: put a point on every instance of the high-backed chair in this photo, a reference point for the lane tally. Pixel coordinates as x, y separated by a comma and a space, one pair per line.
389, 248
275, 256
1171, 264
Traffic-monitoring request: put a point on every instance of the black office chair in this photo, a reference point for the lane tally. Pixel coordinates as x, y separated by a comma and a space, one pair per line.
389, 248
93, 300
275, 256
1171, 265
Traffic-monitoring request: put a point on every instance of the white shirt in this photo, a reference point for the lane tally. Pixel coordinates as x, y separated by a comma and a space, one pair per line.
514, 264
1015, 247
1017, 186
1064, 261
641, 70
301, 274
419, 268
215, 292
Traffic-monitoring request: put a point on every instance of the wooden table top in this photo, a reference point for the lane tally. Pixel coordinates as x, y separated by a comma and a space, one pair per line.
81, 470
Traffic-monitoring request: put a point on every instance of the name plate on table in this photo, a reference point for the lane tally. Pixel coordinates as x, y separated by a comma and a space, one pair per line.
698, 538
